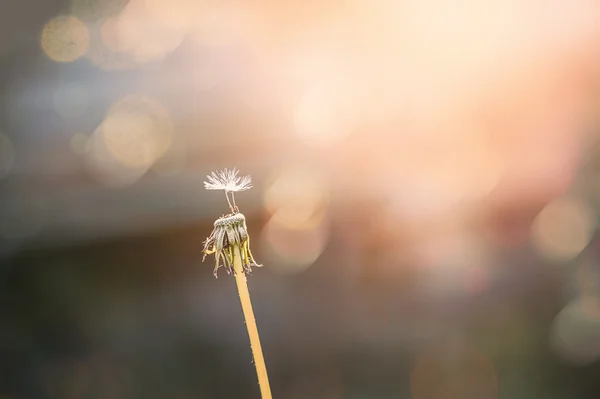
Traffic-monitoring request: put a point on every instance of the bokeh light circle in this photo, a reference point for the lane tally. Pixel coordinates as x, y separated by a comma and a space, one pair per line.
297, 197
147, 31
298, 230
294, 250
563, 228
105, 168
137, 130
65, 39
575, 334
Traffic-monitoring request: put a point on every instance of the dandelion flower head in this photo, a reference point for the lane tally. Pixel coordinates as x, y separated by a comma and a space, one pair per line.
228, 180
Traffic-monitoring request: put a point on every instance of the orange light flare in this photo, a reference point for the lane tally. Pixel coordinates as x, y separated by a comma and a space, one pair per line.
456, 104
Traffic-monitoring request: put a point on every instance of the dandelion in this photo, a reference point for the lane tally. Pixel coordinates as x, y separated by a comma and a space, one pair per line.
228, 181
230, 243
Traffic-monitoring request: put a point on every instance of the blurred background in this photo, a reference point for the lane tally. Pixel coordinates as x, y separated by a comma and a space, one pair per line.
426, 189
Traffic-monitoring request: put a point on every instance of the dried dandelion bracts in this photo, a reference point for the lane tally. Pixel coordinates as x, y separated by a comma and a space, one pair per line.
230, 237
230, 243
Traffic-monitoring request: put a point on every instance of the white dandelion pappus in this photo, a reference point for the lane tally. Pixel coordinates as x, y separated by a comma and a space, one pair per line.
228, 180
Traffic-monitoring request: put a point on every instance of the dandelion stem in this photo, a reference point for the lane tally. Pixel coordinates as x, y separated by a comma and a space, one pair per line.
227, 196
233, 200
259, 361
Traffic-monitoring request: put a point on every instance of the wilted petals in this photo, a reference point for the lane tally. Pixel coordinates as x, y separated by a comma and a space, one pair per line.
229, 239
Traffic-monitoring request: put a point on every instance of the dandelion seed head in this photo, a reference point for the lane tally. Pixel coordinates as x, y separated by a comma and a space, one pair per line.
228, 180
